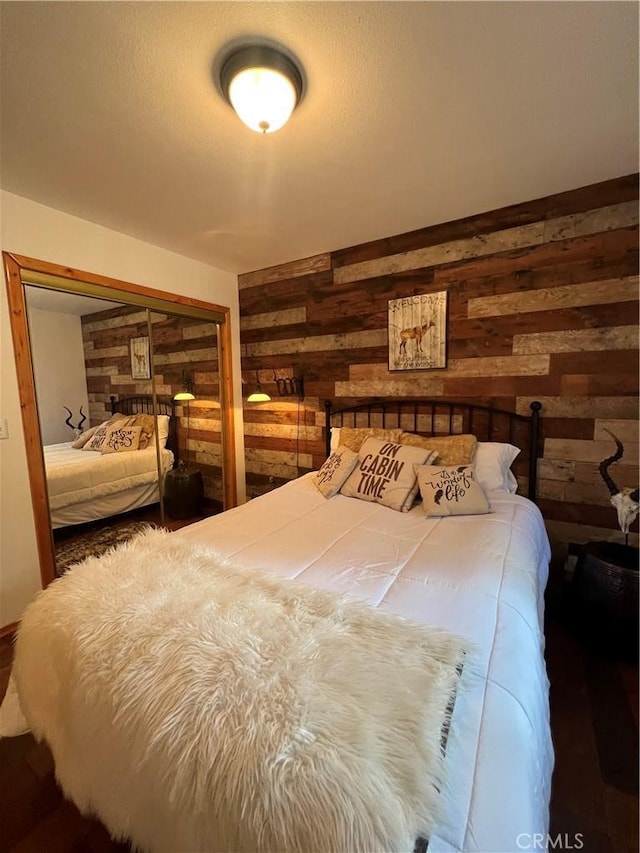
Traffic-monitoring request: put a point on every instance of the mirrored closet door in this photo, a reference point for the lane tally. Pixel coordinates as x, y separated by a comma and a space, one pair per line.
95, 403
101, 369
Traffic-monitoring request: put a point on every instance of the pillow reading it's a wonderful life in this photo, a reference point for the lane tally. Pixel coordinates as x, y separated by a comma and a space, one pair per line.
451, 491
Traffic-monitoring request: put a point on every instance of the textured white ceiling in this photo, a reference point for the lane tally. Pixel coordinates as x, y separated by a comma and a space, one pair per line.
415, 113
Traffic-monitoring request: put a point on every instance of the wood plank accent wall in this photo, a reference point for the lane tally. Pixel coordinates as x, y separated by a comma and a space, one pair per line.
179, 344
543, 304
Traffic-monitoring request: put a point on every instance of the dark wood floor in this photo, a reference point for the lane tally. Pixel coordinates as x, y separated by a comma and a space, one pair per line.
594, 717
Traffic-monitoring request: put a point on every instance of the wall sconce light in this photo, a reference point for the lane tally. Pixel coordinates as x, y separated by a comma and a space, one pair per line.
258, 396
263, 85
185, 395
186, 392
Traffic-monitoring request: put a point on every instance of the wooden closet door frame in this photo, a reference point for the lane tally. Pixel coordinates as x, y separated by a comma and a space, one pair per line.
14, 265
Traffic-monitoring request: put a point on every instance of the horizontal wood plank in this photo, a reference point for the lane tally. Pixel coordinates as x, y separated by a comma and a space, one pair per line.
583, 407
285, 317
304, 266
586, 451
551, 298
344, 341
616, 338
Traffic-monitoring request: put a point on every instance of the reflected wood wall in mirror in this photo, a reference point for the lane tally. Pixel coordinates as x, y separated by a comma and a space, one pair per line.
195, 325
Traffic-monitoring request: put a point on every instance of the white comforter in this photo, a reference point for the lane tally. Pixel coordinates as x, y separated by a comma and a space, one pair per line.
479, 576
78, 476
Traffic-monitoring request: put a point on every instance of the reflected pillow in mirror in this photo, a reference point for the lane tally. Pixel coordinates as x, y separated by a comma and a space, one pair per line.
97, 439
145, 422
163, 429
83, 438
121, 439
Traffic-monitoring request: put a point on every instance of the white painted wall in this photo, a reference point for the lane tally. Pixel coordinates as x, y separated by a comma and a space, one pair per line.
59, 372
31, 229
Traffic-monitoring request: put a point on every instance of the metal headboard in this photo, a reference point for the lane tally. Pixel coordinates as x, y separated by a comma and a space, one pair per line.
441, 417
142, 404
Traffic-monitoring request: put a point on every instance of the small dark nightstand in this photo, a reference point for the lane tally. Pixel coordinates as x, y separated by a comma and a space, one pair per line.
604, 596
183, 492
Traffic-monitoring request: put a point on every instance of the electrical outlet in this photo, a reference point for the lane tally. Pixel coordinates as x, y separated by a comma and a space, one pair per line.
4, 428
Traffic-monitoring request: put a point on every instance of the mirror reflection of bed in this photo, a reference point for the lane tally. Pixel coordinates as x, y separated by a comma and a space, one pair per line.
102, 494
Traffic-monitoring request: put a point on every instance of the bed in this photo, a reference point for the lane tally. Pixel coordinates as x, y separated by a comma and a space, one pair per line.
87, 486
480, 577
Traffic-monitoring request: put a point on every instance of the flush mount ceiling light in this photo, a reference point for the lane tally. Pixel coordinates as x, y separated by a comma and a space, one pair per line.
262, 85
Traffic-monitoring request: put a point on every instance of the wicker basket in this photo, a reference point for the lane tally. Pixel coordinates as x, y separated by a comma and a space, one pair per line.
605, 596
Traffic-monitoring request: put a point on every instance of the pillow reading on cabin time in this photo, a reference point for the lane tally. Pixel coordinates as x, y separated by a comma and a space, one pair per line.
451, 449
335, 471
121, 438
385, 473
450, 490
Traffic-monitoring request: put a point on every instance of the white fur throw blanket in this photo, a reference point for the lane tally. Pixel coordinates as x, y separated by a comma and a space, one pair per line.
192, 706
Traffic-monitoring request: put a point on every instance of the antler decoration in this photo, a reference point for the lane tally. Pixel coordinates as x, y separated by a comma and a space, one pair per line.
624, 500
83, 417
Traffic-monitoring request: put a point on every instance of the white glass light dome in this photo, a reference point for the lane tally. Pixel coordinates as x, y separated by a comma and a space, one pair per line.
262, 85
263, 98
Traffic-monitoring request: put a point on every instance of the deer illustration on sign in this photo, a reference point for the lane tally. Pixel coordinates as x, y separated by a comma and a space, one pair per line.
415, 333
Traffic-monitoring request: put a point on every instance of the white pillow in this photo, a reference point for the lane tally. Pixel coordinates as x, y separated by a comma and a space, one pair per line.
335, 438
163, 429
492, 464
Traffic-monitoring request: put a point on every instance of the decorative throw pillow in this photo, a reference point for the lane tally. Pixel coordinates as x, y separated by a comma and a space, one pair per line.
335, 471
385, 473
97, 439
492, 466
83, 438
354, 437
450, 490
121, 438
147, 427
451, 449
